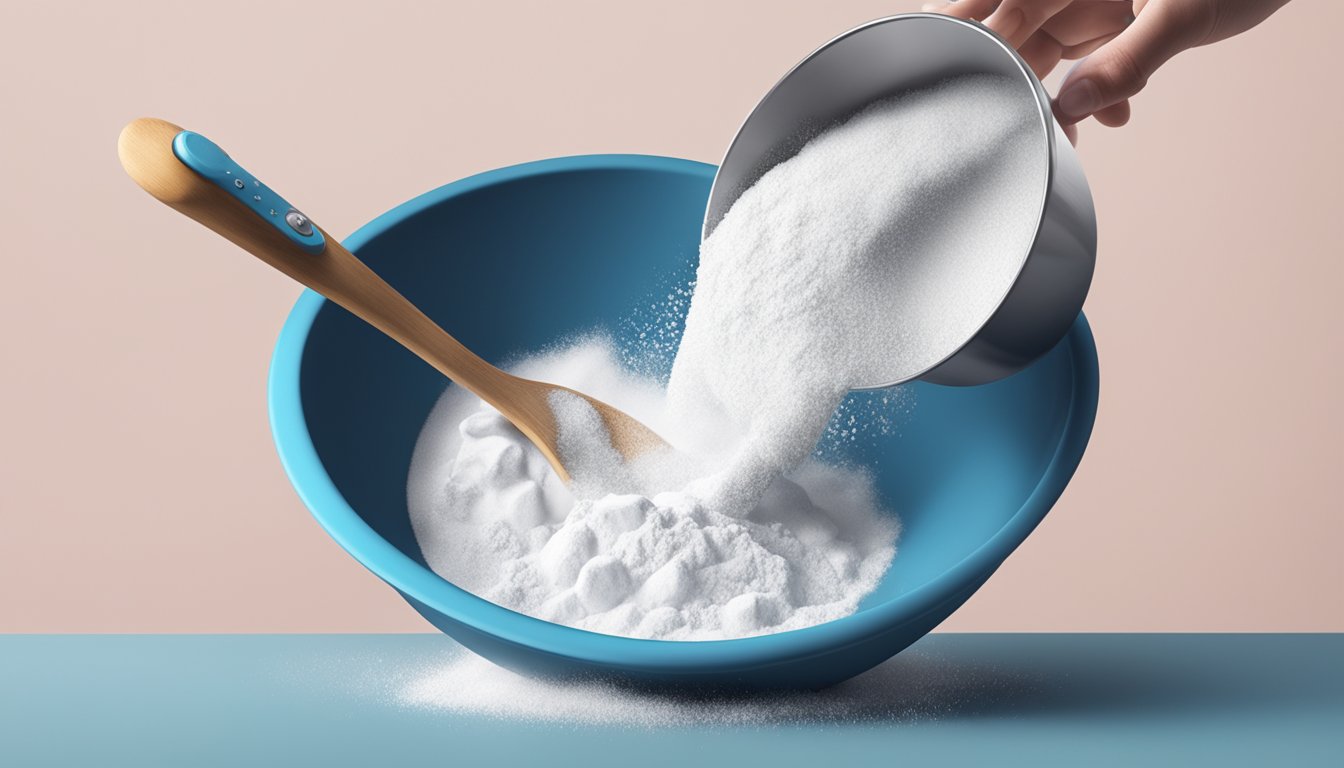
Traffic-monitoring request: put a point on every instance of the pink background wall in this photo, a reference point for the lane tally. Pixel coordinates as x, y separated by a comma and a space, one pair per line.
140, 489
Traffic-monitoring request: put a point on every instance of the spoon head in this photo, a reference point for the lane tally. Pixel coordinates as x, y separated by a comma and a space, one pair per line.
534, 408
630, 437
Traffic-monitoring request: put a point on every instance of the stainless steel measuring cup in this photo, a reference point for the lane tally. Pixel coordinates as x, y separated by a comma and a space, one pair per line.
896, 54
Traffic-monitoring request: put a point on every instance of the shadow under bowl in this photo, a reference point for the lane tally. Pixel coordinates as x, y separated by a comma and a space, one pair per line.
517, 259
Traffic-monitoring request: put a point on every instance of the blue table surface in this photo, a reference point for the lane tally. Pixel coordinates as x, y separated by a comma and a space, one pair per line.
1000, 699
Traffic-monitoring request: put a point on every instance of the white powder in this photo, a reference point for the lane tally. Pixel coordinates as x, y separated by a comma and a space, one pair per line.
867, 258
492, 517
915, 686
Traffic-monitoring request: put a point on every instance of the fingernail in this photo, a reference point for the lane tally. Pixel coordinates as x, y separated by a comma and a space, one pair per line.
933, 7
1080, 99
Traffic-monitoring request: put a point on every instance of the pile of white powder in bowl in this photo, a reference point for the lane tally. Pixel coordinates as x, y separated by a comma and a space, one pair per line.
492, 517
867, 258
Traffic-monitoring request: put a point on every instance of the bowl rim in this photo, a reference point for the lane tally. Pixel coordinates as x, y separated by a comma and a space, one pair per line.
317, 490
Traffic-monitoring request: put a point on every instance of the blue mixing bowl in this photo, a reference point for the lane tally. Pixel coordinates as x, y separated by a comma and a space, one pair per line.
513, 260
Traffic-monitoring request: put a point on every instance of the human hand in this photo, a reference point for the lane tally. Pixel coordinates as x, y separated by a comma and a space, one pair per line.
1121, 42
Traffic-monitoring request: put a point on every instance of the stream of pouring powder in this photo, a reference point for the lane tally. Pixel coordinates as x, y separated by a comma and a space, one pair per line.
865, 259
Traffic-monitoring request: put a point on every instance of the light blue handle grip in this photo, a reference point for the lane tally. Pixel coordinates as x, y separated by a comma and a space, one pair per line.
214, 164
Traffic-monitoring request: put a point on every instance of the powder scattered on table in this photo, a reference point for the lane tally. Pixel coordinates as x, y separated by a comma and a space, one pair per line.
916, 686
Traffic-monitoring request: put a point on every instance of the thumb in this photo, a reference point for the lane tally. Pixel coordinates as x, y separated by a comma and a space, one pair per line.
1122, 67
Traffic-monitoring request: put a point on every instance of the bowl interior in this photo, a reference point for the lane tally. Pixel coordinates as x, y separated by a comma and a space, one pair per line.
529, 257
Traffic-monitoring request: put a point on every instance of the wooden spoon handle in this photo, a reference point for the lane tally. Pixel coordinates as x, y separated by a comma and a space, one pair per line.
255, 219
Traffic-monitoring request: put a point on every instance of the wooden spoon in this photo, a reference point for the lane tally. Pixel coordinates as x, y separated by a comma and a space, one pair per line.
189, 173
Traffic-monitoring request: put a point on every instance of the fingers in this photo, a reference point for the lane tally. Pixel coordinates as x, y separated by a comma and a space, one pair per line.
1067, 29
1230, 19
1120, 68
1041, 52
963, 9
1017, 20
1115, 115
1075, 32
1086, 20
1085, 49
